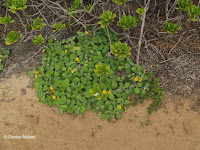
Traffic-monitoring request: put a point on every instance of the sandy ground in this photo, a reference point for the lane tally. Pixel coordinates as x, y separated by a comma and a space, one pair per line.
175, 126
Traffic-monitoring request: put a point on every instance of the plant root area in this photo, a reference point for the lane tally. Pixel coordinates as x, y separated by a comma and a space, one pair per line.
175, 126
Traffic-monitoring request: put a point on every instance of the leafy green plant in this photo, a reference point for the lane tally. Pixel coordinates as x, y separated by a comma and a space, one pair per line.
38, 40
15, 5
75, 6
72, 79
121, 49
37, 24
171, 28
140, 10
12, 37
58, 26
6, 20
128, 21
101, 69
106, 18
119, 1
88, 7
183, 4
3, 56
193, 11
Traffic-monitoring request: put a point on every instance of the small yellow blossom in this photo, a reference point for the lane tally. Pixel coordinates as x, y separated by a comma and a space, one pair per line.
140, 79
77, 59
66, 51
75, 48
37, 72
51, 88
119, 107
129, 98
93, 38
116, 55
86, 32
72, 71
36, 76
144, 71
1, 56
109, 92
136, 79
43, 50
53, 91
54, 97
104, 91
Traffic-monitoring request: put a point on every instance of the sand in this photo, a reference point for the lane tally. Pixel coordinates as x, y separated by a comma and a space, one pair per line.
175, 126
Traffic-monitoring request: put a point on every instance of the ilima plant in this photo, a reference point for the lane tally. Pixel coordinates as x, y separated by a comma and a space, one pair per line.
72, 79
102, 69
14, 5
184, 3
106, 18
121, 49
128, 21
3, 56
58, 26
37, 24
193, 11
6, 20
140, 10
171, 28
38, 40
12, 37
119, 1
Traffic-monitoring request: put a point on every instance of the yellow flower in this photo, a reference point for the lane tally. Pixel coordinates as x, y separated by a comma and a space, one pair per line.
51, 88
36, 76
72, 71
37, 72
104, 91
140, 79
53, 91
86, 32
66, 51
1, 56
129, 98
77, 59
54, 97
74, 48
116, 55
93, 38
43, 50
119, 107
144, 71
136, 79
109, 92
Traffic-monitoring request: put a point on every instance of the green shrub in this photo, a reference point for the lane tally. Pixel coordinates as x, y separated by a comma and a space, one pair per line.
121, 49
14, 5
106, 18
128, 21
3, 56
6, 20
171, 28
119, 1
73, 79
38, 40
12, 37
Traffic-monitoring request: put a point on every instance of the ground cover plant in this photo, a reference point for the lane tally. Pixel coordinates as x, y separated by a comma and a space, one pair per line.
77, 75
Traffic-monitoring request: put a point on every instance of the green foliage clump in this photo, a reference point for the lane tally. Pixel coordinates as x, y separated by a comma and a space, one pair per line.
106, 18
121, 49
75, 6
3, 56
128, 21
140, 10
58, 26
15, 5
184, 3
6, 20
12, 37
38, 40
101, 69
193, 11
171, 28
73, 79
119, 1
37, 24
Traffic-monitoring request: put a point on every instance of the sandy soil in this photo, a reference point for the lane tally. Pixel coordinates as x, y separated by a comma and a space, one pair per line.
174, 127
